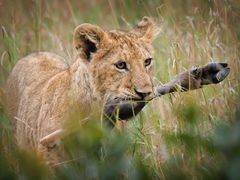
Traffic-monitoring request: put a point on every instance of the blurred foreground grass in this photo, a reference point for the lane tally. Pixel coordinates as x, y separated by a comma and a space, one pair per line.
194, 135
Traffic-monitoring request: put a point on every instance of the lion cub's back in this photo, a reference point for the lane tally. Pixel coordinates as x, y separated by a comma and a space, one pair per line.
30, 74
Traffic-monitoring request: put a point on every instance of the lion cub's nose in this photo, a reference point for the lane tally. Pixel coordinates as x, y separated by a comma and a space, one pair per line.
142, 94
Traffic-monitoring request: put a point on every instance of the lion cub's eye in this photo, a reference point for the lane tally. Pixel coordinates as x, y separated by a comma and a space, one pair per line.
121, 65
147, 62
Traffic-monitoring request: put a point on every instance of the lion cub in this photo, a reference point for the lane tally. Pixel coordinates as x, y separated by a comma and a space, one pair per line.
42, 89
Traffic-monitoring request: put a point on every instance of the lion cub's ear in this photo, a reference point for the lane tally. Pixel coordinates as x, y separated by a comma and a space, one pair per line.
146, 29
88, 39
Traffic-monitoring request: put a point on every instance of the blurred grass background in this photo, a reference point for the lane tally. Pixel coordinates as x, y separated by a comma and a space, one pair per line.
194, 135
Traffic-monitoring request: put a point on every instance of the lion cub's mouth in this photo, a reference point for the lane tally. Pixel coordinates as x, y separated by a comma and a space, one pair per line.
133, 98
126, 100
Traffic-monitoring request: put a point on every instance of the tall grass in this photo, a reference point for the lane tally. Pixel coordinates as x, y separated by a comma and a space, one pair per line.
191, 135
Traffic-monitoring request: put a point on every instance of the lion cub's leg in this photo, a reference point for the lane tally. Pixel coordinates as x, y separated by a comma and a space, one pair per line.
52, 154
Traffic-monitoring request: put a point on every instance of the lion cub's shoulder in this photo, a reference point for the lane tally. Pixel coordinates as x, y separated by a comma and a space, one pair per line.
45, 61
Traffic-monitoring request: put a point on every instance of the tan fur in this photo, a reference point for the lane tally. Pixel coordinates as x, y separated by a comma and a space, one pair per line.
42, 89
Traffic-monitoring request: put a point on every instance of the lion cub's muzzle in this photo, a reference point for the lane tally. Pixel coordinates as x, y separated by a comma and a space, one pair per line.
142, 94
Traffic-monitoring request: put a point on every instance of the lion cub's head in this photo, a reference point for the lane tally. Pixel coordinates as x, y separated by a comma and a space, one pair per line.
120, 62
